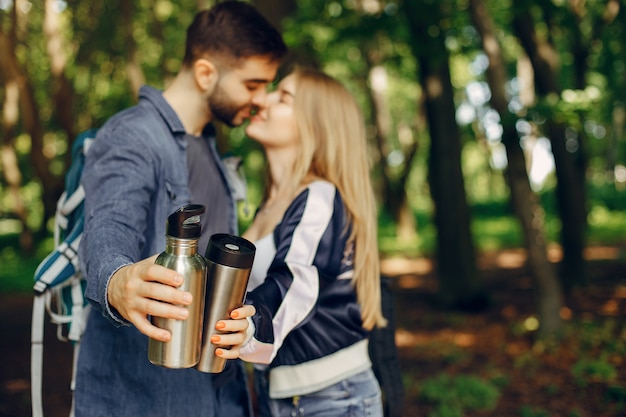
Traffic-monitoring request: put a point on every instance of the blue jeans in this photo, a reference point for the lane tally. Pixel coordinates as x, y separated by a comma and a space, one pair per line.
357, 396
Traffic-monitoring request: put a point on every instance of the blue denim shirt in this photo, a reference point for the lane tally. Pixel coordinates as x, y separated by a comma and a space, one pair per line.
135, 176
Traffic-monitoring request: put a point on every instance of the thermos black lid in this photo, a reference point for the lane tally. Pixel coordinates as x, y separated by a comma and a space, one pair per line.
184, 223
230, 250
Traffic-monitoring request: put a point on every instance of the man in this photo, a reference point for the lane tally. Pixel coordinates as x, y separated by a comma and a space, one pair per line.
146, 162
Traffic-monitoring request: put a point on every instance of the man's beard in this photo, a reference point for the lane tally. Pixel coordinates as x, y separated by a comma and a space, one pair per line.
222, 108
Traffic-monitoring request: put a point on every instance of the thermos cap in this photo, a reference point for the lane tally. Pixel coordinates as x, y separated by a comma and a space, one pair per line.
184, 223
230, 250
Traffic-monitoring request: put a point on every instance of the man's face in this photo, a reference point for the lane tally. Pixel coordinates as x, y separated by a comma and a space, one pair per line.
241, 90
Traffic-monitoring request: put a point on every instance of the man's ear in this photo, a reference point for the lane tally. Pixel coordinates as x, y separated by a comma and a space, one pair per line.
206, 74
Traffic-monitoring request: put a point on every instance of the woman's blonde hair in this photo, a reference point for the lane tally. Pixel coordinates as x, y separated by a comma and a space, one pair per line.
334, 147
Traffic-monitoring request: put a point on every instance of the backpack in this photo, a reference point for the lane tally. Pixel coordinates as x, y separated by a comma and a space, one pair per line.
59, 285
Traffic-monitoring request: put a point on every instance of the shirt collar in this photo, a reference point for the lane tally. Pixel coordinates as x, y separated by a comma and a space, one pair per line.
155, 97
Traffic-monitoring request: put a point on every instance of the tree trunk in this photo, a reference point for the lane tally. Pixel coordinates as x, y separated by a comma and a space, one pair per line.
572, 205
570, 164
529, 212
10, 70
8, 161
133, 68
63, 92
157, 29
394, 196
617, 132
459, 285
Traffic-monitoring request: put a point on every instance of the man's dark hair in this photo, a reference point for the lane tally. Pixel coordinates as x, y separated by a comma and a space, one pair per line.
232, 30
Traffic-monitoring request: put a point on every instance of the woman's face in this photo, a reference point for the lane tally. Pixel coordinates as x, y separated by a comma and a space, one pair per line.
275, 123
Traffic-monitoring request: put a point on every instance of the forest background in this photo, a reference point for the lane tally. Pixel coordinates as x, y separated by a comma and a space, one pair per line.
493, 125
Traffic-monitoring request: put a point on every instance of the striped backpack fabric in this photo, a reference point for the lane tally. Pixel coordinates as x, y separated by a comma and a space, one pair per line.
59, 285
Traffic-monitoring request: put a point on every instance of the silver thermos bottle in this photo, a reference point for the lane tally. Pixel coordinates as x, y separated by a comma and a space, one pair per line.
181, 254
229, 260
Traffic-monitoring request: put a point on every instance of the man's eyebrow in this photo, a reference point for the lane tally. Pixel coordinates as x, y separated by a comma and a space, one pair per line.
258, 81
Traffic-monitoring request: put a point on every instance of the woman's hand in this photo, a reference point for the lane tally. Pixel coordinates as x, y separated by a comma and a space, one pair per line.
233, 332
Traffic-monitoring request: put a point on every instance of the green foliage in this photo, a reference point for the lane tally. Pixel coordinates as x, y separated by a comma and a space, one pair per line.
617, 393
586, 370
608, 195
528, 411
616, 397
552, 389
495, 226
527, 361
346, 38
599, 344
595, 336
496, 232
454, 395
499, 379
17, 272
446, 410
389, 244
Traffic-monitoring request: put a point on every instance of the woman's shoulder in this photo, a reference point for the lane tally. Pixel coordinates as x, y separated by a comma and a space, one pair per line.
320, 189
315, 198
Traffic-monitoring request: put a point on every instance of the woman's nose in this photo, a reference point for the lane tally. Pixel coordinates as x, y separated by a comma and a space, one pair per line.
268, 99
272, 97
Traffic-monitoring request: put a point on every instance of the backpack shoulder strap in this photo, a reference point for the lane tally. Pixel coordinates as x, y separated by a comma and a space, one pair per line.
36, 354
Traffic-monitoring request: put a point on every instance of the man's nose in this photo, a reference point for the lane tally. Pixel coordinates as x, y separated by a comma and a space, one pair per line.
259, 98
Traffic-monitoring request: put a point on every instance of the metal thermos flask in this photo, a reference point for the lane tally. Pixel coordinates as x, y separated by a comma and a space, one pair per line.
181, 254
229, 260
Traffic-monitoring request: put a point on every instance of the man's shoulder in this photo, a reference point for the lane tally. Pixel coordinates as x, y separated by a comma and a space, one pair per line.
145, 108
151, 118
132, 116
137, 123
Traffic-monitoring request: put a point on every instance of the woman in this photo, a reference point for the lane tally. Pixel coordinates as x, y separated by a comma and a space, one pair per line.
316, 278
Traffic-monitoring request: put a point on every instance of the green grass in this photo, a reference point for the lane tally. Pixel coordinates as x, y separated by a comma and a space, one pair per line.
453, 396
18, 270
500, 230
500, 233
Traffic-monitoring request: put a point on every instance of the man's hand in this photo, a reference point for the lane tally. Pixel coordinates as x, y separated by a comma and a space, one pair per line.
238, 326
143, 289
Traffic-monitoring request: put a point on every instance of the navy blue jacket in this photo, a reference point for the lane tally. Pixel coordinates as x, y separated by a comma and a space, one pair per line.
308, 325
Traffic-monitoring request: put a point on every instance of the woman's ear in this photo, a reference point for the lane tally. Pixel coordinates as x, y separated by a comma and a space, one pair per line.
206, 74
